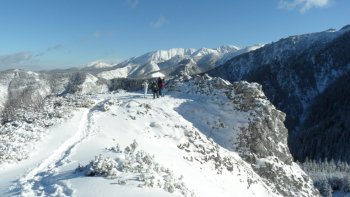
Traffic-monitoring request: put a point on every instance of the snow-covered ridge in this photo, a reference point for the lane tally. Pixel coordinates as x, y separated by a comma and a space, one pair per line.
205, 137
91, 85
160, 55
256, 132
297, 44
295, 72
171, 62
98, 64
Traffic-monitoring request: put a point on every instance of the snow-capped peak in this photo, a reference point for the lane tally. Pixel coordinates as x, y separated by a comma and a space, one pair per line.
162, 55
227, 48
331, 30
98, 64
168, 62
346, 27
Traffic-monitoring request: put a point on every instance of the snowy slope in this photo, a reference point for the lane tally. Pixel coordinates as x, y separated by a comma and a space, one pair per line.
22, 88
164, 62
117, 73
92, 131
91, 85
188, 143
98, 64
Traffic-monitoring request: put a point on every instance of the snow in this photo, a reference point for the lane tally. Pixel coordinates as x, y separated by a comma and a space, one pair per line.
98, 64
116, 73
32, 73
58, 135
3, 95
181, 144
157, 62
162, 55
157, 126
90, 85
295, 45
157, 74
5, 80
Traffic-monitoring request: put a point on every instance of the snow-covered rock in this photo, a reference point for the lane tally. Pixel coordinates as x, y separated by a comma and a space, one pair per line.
255, 129
22, 88
294, 73
91, 85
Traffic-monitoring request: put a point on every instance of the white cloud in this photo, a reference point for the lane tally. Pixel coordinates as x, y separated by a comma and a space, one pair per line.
133, 3
159, 22
302, 5
49, 49
23, 59
16, 58
54, 47
97, 34
101, 34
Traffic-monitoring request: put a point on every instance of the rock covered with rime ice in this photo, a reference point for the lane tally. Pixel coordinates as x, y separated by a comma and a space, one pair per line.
261, 140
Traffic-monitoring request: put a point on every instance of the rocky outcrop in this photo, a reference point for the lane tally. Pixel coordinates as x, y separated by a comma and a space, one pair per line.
20, 88
256, 130
294, 72
264, 142
266, 134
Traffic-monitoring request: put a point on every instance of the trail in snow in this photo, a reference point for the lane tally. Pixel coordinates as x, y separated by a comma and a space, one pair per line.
41, 180
159, 130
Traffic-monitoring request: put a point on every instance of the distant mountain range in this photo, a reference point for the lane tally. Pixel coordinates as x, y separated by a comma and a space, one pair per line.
97, 64
174, 62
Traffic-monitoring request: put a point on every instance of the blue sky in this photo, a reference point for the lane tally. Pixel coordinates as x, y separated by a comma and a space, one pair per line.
46, 34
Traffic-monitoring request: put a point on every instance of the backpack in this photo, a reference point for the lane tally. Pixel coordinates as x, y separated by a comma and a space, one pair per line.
154, 86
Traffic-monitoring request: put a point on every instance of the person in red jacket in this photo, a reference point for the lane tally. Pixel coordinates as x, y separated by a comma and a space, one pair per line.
161, 85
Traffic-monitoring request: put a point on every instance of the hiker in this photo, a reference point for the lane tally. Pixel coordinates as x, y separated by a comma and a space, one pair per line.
145, 87
155, 89
161, 85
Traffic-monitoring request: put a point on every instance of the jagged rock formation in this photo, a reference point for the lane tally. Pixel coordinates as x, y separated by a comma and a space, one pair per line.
256, 130
294, 72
